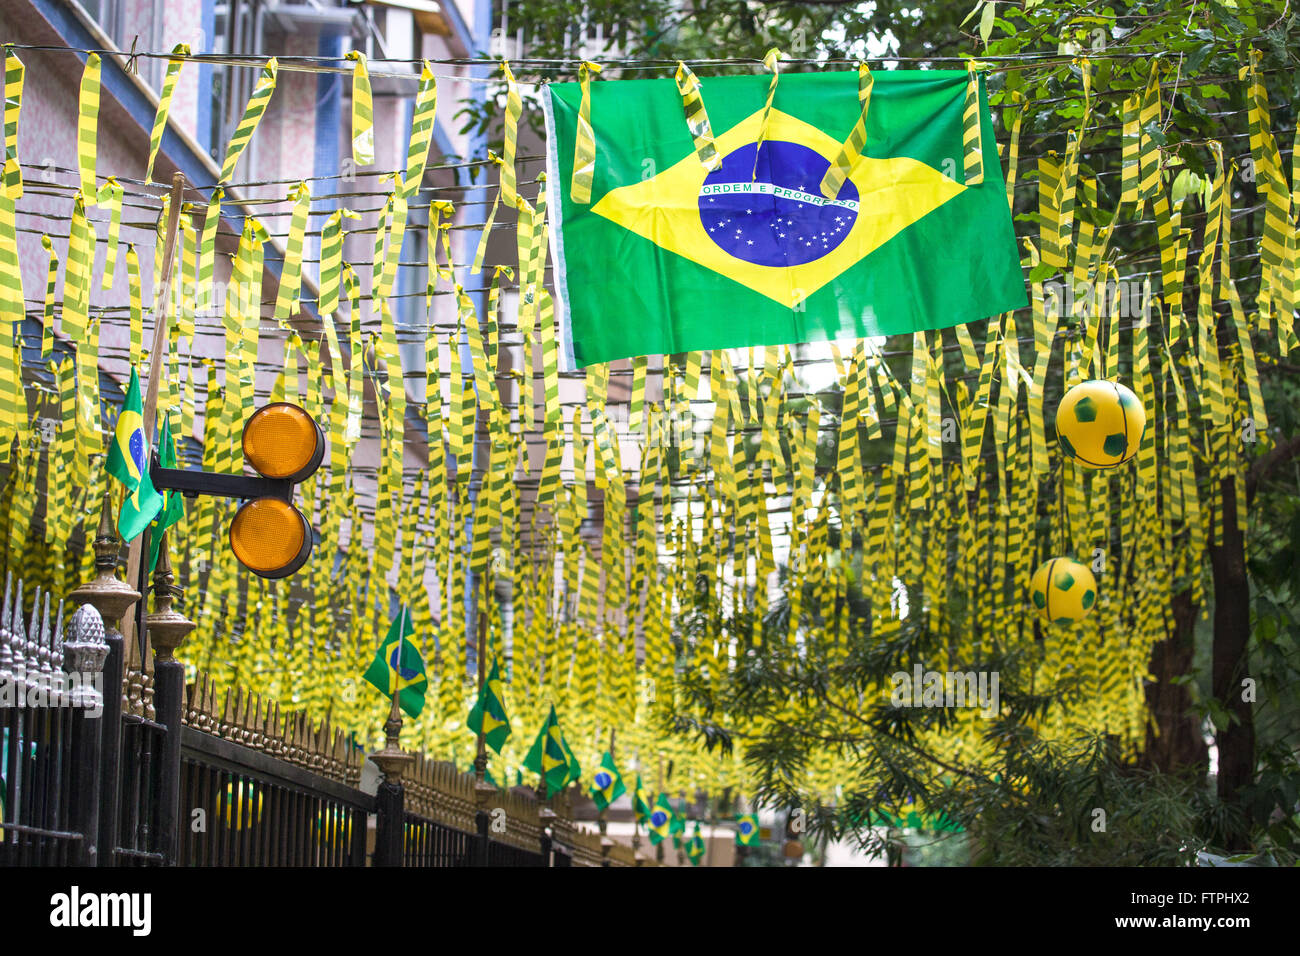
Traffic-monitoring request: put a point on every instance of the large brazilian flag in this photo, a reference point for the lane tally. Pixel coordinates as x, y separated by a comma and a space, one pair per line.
670, 256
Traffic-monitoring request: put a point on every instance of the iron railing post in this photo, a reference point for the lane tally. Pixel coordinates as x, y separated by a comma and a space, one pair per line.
84, 654
390, 824
111, 598
167, 630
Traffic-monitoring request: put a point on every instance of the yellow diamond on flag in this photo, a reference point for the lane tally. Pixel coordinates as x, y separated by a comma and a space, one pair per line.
881, 198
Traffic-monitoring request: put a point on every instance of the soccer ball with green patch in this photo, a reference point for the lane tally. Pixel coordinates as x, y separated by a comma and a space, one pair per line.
1100, 423
1063, 590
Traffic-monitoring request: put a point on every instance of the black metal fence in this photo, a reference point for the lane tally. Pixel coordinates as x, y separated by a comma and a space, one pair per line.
248, 809
90, 778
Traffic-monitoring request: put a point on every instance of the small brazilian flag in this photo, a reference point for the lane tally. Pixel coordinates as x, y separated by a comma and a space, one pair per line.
489, 711
677, 826
550, 757
747, 829
128, 462
606, 783
640, 802
398, 667
173, 506
695, 847
661, 819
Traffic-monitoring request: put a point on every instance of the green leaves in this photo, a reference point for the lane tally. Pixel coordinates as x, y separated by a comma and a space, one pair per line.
986, 20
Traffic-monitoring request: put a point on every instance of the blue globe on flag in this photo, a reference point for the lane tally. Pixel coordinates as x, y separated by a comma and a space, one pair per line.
406, 673
778, 218
658, 819
603, 779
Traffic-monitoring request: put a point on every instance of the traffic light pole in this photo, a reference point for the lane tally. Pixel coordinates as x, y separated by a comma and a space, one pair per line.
194, 483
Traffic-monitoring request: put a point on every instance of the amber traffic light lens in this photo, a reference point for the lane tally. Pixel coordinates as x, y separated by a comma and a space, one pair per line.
283, 441
270, 537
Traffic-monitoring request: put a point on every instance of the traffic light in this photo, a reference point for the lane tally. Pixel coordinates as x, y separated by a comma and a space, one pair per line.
269, 535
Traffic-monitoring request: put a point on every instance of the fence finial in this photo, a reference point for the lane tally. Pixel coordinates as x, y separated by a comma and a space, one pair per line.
111, 597
167, 627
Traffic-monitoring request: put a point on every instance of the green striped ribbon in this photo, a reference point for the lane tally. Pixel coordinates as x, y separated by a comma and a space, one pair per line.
972, 148
772, 63
584, 146
12, 307
208, 251
174, 65
1148, 151
363, 111
381, 234
252, 116
51, 287
87, 127
137, 305
479, 253
1228, 290
851, 149
184, 327
110, 197
286, 298
422, 120
331, 260
697, 118
1130, 149
14, 73
1013, 150
396, 233
514, 106
636, 405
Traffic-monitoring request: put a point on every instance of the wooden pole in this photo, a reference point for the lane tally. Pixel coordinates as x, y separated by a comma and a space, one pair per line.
135, 652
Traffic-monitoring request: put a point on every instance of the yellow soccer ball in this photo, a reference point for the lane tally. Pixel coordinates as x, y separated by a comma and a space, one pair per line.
1100, 423
1063, 590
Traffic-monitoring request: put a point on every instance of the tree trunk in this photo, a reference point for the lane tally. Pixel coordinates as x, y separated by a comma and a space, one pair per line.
1174, 743
1231, 637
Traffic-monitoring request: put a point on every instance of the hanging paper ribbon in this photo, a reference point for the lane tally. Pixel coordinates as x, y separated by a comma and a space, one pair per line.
584, 146
514, 107
286, 299
972, 147
208, 251
363, 111
422, 120
1013, 150
51, 286
477, 267
1148, 151
697, 118
137, 305
14, 73
252, 116
331, 261
771, 61
110, 197
174, 65
87, 127
851, 149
